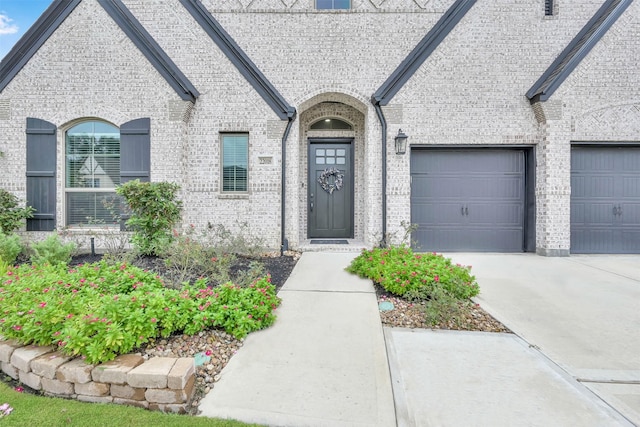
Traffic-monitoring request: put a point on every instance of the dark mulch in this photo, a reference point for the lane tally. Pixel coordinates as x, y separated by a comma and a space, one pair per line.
279, 267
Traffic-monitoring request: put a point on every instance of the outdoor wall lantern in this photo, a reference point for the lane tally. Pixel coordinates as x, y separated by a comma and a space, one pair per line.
401, 142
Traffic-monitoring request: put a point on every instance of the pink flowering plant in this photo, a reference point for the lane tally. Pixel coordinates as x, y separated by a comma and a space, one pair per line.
101, 310
402, 272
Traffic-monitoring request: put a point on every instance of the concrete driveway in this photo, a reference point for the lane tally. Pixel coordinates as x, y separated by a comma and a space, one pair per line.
582, 312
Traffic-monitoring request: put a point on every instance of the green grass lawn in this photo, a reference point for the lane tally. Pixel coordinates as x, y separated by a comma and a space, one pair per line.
30, 410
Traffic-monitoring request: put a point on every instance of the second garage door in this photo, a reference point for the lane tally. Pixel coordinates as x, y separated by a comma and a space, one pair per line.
468, 199
605, 199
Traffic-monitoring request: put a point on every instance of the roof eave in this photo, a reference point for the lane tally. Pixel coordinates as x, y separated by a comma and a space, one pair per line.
543, 88
239, 59
421, 52
150, 49
34, 38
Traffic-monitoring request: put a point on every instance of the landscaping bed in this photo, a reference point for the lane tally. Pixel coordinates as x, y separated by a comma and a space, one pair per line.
213, 348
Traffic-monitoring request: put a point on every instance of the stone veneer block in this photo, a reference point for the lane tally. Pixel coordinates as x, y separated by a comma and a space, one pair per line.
30, 379
166, 395
171, 396
7, 348
47, 365
92, 389
127, 392
95, 399
9, 369
152, 373
184, 369
76, 371
115, 371
139, 403
22, 357
176, 409
57, 388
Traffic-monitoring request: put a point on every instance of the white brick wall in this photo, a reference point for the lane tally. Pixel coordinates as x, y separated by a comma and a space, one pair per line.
470, 91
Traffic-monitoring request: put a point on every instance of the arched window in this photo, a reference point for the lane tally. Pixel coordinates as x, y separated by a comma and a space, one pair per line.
92, 171
331, 124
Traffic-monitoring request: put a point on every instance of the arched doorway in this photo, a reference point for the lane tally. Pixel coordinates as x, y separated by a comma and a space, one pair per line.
331, 170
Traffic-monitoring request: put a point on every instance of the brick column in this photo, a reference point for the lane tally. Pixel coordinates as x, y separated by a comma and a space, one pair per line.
553, 180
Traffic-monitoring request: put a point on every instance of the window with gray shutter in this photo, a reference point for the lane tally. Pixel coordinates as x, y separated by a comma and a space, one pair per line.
41, 174
135, 150
135, 156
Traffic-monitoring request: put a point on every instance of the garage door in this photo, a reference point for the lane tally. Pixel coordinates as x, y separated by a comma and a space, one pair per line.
468, 199
605, 200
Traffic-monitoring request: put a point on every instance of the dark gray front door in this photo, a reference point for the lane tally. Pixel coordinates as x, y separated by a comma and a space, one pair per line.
605, 199
330, 195
468, 199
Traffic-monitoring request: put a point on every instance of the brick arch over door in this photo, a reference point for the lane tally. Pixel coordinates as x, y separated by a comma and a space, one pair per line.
330, 107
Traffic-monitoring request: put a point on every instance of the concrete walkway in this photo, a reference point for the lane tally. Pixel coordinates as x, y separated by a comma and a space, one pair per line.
322, 364
325, 363
583, 312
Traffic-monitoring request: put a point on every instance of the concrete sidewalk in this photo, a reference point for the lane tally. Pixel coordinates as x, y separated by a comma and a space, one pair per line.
583, 312
324, 361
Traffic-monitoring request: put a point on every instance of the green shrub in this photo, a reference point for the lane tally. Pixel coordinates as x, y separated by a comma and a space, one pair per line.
187, 258
443, 308
101, 310
154, 212
10, 247
52, 251
240, 242
402, 272
11, 215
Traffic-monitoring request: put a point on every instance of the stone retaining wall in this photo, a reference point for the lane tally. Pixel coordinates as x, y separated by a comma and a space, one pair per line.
161, 383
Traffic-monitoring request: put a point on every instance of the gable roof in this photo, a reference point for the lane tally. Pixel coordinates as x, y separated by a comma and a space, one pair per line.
59, 10
579, 47
150, 49
34, 38
239, 59
422, 51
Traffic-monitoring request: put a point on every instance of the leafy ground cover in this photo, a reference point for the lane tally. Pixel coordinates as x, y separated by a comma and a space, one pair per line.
423, 290
101, 310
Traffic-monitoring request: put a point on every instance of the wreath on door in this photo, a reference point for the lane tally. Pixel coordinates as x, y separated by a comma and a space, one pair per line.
323, 180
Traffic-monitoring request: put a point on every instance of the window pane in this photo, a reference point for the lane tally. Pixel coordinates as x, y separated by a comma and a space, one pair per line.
331, 160
340, 160
87, 209
92, 160
341, 152
333, 4
319, 160
324, 4
93, 156
319, 152
235, 162
331, 152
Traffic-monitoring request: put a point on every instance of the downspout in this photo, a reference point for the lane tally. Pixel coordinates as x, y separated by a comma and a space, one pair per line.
284, 243
383, 123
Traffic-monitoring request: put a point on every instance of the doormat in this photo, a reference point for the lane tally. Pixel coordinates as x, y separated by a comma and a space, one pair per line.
329, 242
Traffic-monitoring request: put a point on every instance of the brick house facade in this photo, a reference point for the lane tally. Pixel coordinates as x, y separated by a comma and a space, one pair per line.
288, 91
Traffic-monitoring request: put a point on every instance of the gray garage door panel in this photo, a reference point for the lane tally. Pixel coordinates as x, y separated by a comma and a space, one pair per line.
468, 200
605, 199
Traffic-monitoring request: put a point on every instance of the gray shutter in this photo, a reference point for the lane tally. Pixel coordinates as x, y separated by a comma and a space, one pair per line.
135, 150
135, 154
41, 174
